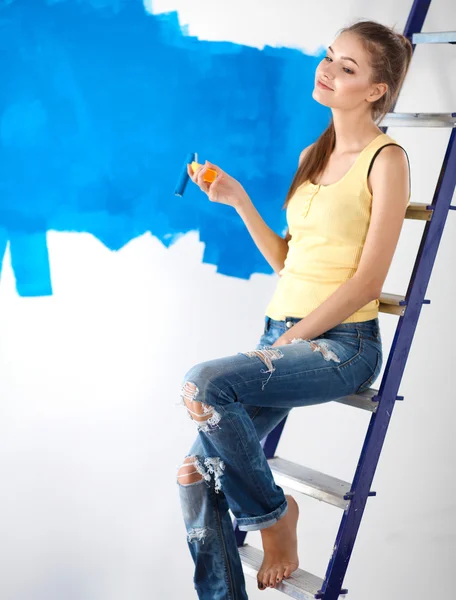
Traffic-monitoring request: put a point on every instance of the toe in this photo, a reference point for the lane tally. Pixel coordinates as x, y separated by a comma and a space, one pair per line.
260, 580
265, 578
273, 578
288, 571
260, 583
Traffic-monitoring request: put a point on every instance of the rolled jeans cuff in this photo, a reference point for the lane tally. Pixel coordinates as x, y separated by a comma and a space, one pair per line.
256, 523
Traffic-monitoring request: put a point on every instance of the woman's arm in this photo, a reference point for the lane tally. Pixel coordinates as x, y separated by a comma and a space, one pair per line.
273, 247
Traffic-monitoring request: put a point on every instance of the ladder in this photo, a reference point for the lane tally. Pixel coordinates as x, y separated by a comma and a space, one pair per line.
352, 497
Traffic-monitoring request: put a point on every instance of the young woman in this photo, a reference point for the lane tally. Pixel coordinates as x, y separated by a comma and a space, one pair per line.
321, 341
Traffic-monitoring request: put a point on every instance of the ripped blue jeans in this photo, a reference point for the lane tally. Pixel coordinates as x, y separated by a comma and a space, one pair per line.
243, 397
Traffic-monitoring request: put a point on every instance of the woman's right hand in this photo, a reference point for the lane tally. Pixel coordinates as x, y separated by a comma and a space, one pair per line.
225, 189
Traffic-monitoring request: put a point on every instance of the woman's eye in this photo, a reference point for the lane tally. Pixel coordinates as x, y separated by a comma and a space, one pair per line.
346, 69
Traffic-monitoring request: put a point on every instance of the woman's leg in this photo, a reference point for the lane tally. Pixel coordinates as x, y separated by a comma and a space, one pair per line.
211, 540
217, 393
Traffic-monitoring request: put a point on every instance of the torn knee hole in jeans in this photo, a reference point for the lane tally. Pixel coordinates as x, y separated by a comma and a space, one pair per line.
207, 467
204, 415
197, 534
189, 463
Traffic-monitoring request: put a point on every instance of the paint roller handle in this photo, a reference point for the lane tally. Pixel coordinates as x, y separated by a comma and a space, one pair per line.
184, 175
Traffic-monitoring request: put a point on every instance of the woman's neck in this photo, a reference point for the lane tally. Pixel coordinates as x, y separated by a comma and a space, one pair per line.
353, 131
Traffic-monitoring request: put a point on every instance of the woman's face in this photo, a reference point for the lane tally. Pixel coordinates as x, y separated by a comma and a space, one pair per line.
349, 80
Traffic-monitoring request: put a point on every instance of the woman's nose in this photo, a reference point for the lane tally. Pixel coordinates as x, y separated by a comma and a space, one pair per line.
327, 72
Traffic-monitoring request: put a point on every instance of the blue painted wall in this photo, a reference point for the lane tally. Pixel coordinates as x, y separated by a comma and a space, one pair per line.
100, 103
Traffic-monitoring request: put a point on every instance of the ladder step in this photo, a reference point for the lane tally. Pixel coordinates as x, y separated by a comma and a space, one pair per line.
418, 120
394, 304
300, 584
419, 211
310, 482
434, 37
364, 400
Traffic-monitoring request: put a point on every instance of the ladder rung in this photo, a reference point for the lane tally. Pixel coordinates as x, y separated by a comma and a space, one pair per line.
300, 584
364, 400
310, 482
418, 120
391, 304
394, 304
434, 37
395, 299
419, 211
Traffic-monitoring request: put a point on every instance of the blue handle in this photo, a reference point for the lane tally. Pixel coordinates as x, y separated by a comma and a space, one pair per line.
184, 177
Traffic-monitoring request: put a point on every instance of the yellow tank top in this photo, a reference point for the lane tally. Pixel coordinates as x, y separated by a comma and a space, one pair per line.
328, 226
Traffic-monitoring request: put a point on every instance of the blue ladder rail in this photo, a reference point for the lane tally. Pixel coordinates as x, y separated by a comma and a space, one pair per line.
380, 402
392, 377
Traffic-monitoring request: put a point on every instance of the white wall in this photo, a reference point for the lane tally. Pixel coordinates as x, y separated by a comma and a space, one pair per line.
90, 437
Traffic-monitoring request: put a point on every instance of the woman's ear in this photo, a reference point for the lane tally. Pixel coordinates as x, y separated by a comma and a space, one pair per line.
378, 89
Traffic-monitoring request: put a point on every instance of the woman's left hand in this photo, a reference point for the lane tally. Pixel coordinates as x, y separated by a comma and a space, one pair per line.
283, 340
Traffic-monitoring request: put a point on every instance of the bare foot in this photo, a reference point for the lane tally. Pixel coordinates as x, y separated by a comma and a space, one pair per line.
280, 545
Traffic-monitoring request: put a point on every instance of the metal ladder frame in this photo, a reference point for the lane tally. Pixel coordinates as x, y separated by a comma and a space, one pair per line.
352, 497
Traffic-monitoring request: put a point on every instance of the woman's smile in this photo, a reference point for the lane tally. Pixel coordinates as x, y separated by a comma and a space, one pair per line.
323, 86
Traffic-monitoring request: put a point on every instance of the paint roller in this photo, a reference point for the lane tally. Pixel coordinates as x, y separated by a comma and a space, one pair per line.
192, 159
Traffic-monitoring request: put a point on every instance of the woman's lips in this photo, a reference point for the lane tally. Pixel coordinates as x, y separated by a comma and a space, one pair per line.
323, 86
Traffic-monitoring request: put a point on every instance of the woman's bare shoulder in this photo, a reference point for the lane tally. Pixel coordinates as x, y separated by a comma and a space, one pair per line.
303, 153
